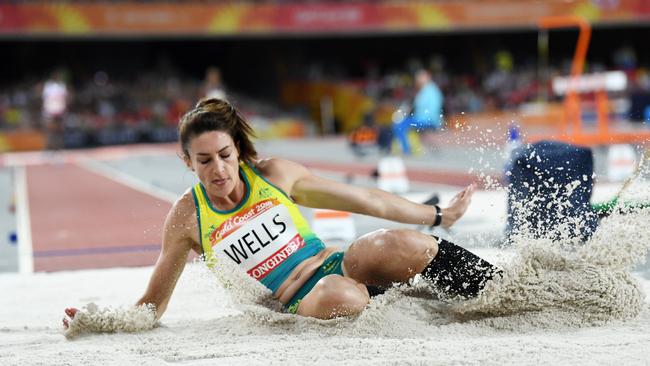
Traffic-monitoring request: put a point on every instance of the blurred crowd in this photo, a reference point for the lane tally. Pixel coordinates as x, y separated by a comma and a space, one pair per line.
100, 107
147, 107
506, 84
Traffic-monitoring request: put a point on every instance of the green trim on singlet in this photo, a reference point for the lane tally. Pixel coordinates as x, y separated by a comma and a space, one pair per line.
240, 205
198, 219
331, 265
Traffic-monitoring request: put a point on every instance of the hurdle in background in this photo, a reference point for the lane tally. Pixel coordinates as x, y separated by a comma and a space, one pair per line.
571, 127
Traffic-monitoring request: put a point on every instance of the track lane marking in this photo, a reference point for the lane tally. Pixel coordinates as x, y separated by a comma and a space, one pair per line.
23, 222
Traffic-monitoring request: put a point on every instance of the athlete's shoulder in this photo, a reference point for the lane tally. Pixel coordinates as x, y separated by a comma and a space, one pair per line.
183, 210
281, 172
278, 166
181, 222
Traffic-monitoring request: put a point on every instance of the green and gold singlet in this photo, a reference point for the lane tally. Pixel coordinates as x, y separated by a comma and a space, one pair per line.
265, 235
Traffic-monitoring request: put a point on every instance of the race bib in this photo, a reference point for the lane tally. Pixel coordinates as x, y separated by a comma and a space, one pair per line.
258, 239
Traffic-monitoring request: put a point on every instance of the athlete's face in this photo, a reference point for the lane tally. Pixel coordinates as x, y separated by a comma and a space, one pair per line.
215, 159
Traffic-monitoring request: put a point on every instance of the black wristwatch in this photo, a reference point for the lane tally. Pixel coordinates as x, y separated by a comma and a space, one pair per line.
438, 219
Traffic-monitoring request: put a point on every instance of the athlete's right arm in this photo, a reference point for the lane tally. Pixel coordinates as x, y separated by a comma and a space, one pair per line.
179, 234
176, 245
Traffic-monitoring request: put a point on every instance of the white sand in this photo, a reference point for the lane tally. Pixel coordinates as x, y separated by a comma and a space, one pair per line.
202, 328
576, 309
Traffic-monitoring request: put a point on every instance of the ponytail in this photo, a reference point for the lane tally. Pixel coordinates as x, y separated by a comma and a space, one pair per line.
213, 114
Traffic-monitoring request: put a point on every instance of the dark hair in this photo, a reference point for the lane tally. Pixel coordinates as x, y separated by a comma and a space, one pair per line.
212, 114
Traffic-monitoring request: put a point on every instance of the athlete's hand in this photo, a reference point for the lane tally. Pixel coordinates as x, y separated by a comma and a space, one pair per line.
70, 313
457, 207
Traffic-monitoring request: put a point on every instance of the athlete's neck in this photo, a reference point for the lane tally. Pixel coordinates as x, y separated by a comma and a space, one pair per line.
233, 199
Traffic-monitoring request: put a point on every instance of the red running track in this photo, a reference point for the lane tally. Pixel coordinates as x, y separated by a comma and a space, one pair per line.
82, 220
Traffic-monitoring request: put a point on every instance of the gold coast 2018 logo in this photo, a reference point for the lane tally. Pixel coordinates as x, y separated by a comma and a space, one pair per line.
237, 220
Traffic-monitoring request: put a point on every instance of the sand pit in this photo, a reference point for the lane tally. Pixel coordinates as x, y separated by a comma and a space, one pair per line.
577, 307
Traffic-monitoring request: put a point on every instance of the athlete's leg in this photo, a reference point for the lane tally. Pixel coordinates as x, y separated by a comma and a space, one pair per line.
458, 272
383, 257
334, 296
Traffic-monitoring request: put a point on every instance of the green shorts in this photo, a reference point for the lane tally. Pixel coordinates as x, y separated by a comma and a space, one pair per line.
331, 265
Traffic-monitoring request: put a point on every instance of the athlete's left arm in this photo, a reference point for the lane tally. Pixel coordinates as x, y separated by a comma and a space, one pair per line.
310, 190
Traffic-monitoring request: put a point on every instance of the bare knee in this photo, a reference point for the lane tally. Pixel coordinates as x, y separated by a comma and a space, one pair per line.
407, 252
409, 244
334, 296
387, 256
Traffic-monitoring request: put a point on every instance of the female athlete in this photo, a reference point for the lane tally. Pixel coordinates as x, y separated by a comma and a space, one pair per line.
246, 210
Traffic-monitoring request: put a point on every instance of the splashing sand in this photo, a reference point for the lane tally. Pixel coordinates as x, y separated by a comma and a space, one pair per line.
587, 286
92, 319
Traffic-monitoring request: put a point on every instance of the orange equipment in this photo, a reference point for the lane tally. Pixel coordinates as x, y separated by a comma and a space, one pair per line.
570, 129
